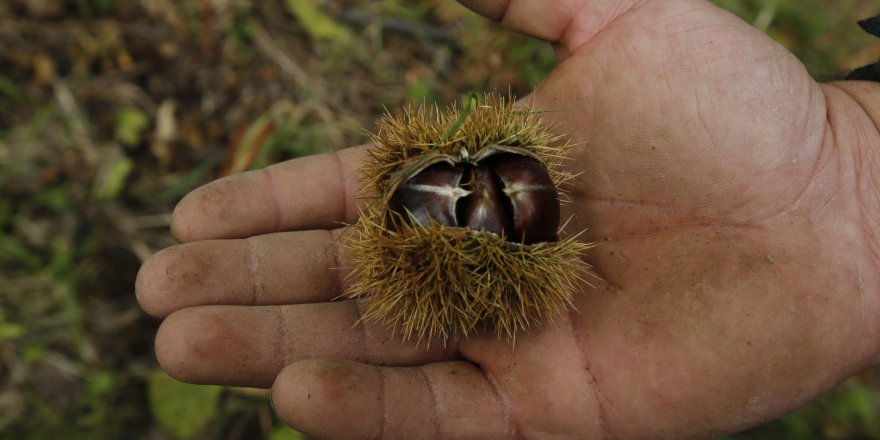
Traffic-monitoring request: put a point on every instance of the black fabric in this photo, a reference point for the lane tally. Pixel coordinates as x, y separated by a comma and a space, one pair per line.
871, 25
871, 72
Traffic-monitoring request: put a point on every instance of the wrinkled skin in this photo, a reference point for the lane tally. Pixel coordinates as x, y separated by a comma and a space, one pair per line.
734, 200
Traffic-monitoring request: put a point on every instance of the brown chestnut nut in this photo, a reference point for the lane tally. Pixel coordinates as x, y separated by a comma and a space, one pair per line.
505, 193
484, 208
432, 194
534, 201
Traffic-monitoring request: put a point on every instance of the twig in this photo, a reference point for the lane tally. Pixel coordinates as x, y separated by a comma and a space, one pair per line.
152, 221
75, 121
288, 65
393, 24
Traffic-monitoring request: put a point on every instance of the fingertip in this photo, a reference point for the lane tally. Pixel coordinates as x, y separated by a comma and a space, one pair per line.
181, 222
491, 9
311, 192
208, 345
165, 279
329, 398
203, 212
187, 345
224, 208
286, 397
144, 286
169, 352
150, 286
188, 220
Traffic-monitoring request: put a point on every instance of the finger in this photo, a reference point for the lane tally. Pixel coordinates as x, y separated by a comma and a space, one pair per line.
569, 23
248, 346
313, 192
339, 399
283, 268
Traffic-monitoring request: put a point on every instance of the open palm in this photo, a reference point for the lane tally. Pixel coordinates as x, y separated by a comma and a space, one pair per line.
721, 181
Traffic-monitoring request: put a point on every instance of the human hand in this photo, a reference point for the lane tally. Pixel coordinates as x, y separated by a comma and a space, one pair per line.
727, 188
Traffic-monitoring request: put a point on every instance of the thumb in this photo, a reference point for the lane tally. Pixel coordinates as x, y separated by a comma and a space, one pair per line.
566, 23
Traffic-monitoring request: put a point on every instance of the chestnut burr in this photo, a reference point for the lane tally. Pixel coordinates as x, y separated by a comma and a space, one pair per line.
464, 236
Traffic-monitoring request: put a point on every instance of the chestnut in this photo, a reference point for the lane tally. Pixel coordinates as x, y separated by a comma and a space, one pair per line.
502, 192
432, 194
484, 209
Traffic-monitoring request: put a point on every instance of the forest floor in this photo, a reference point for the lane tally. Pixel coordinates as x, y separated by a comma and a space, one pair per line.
111, 111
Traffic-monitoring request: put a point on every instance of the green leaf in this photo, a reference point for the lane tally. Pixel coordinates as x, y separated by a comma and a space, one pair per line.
855, 409
59, 199
420, 91
102, 7
112, 178
131, 123
317, 23
100, 385
10, 89
243, 26
176, 186
10, 331
14, 253
33, 352
473, 100
182, 409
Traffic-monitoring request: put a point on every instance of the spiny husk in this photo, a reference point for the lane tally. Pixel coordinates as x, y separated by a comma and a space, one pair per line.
417, 130
439, 282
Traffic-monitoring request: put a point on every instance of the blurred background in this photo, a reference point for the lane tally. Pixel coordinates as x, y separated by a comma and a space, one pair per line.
111, 111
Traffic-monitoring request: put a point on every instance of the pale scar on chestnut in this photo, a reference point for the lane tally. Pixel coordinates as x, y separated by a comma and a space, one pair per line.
503, 192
